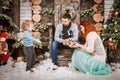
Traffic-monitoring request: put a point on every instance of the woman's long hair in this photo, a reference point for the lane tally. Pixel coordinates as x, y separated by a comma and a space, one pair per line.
88, 26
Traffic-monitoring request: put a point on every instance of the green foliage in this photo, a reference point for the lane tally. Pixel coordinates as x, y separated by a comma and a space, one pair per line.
86, 12
47, 11
16, 44
112, 27
37, 45
43, 38
43, 28
7, 21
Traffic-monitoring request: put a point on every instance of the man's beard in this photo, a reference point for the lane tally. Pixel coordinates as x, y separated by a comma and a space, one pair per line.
67, 25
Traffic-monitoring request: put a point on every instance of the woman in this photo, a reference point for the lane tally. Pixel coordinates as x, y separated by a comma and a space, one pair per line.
90, 57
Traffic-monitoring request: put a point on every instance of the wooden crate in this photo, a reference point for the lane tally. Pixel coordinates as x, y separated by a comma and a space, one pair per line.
64, 56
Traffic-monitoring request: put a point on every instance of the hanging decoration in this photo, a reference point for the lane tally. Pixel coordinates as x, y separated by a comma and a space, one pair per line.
43, 28
70, 10
66, 10
86, 12
47, 11
40, 27
110, 44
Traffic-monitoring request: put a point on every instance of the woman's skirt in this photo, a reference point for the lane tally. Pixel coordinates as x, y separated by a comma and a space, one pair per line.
84, 62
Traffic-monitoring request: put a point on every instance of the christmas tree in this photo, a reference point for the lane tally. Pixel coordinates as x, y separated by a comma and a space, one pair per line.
111, 29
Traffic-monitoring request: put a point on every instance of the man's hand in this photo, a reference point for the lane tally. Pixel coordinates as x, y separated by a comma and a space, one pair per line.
64, 41
74, 45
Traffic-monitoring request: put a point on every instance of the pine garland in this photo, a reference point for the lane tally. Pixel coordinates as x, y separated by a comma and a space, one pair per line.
7, 21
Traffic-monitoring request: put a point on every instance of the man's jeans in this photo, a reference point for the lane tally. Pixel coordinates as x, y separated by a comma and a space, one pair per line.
55, 46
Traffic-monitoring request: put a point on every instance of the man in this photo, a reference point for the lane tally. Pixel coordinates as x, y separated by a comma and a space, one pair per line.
63, 32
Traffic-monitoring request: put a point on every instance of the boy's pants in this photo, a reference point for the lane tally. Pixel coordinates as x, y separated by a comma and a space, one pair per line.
30, 55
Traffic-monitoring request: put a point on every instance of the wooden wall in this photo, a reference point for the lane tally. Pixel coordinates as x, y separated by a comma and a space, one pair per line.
21, 9
25, 11
107, 6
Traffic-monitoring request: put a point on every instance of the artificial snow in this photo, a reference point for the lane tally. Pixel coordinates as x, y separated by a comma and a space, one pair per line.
44, 71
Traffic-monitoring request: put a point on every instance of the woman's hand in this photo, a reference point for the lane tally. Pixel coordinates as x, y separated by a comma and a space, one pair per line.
74, 45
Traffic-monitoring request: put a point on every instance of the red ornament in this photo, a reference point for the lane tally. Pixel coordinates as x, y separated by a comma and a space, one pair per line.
113, 47
67, 11
4, 34
111, 12
116, 15
110, 43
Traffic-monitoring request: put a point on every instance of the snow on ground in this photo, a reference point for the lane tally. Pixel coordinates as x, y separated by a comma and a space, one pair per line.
43, 71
